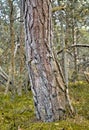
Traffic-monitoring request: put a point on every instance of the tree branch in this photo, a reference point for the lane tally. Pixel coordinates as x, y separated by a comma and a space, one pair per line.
76, 45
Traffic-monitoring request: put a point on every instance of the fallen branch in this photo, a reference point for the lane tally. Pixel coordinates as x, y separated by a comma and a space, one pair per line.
4, 76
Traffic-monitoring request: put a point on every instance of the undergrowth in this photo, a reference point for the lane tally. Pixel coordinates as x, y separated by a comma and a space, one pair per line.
17, 113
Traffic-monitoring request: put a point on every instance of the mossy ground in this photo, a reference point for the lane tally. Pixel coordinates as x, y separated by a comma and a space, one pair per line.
17, 113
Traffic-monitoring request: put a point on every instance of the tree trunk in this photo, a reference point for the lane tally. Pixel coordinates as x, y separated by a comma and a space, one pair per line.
74, 43
12, 38
47, 84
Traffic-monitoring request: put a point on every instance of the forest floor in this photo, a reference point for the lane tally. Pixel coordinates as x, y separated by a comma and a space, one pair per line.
17, 113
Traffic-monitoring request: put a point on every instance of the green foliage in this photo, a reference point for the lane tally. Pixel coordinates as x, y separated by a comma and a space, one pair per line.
18, 111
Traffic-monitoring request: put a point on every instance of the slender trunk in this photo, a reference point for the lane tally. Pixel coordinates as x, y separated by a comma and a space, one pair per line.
21, 39
74, 42
21, 52
65, 68
12, 36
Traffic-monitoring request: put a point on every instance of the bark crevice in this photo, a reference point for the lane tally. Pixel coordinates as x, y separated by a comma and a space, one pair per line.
48, 89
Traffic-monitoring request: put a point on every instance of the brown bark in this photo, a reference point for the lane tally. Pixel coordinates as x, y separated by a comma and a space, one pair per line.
12, 38
21, 51
12, 34
46, 82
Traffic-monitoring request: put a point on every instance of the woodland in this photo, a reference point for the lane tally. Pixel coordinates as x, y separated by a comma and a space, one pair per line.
44, 65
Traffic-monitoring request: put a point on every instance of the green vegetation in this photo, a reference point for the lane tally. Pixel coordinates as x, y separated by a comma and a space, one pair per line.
18, 112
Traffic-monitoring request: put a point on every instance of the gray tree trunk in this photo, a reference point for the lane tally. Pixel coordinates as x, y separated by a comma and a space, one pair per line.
65, 67
47, 83
75, 48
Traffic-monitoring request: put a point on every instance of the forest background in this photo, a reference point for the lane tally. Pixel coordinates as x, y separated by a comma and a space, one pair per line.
70, 43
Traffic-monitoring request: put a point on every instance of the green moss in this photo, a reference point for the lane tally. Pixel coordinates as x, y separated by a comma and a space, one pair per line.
80, 97
16, 111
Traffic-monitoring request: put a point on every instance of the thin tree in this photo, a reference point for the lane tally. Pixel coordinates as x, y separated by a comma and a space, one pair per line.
12, 38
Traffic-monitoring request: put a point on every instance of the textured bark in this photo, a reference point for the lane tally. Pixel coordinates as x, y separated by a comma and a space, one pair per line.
46, 82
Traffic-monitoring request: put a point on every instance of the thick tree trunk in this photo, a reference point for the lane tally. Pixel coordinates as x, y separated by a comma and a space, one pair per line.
46, 82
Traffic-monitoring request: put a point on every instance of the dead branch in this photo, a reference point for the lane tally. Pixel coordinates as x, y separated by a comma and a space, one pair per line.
76, 45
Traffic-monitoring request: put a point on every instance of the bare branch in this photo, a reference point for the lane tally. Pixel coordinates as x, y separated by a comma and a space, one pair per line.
75, 45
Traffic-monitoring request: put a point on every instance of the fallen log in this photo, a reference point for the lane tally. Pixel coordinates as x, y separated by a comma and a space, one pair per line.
3, 77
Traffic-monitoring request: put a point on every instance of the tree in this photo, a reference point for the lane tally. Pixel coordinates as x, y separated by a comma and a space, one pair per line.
47, 83
74, 17
12, 46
